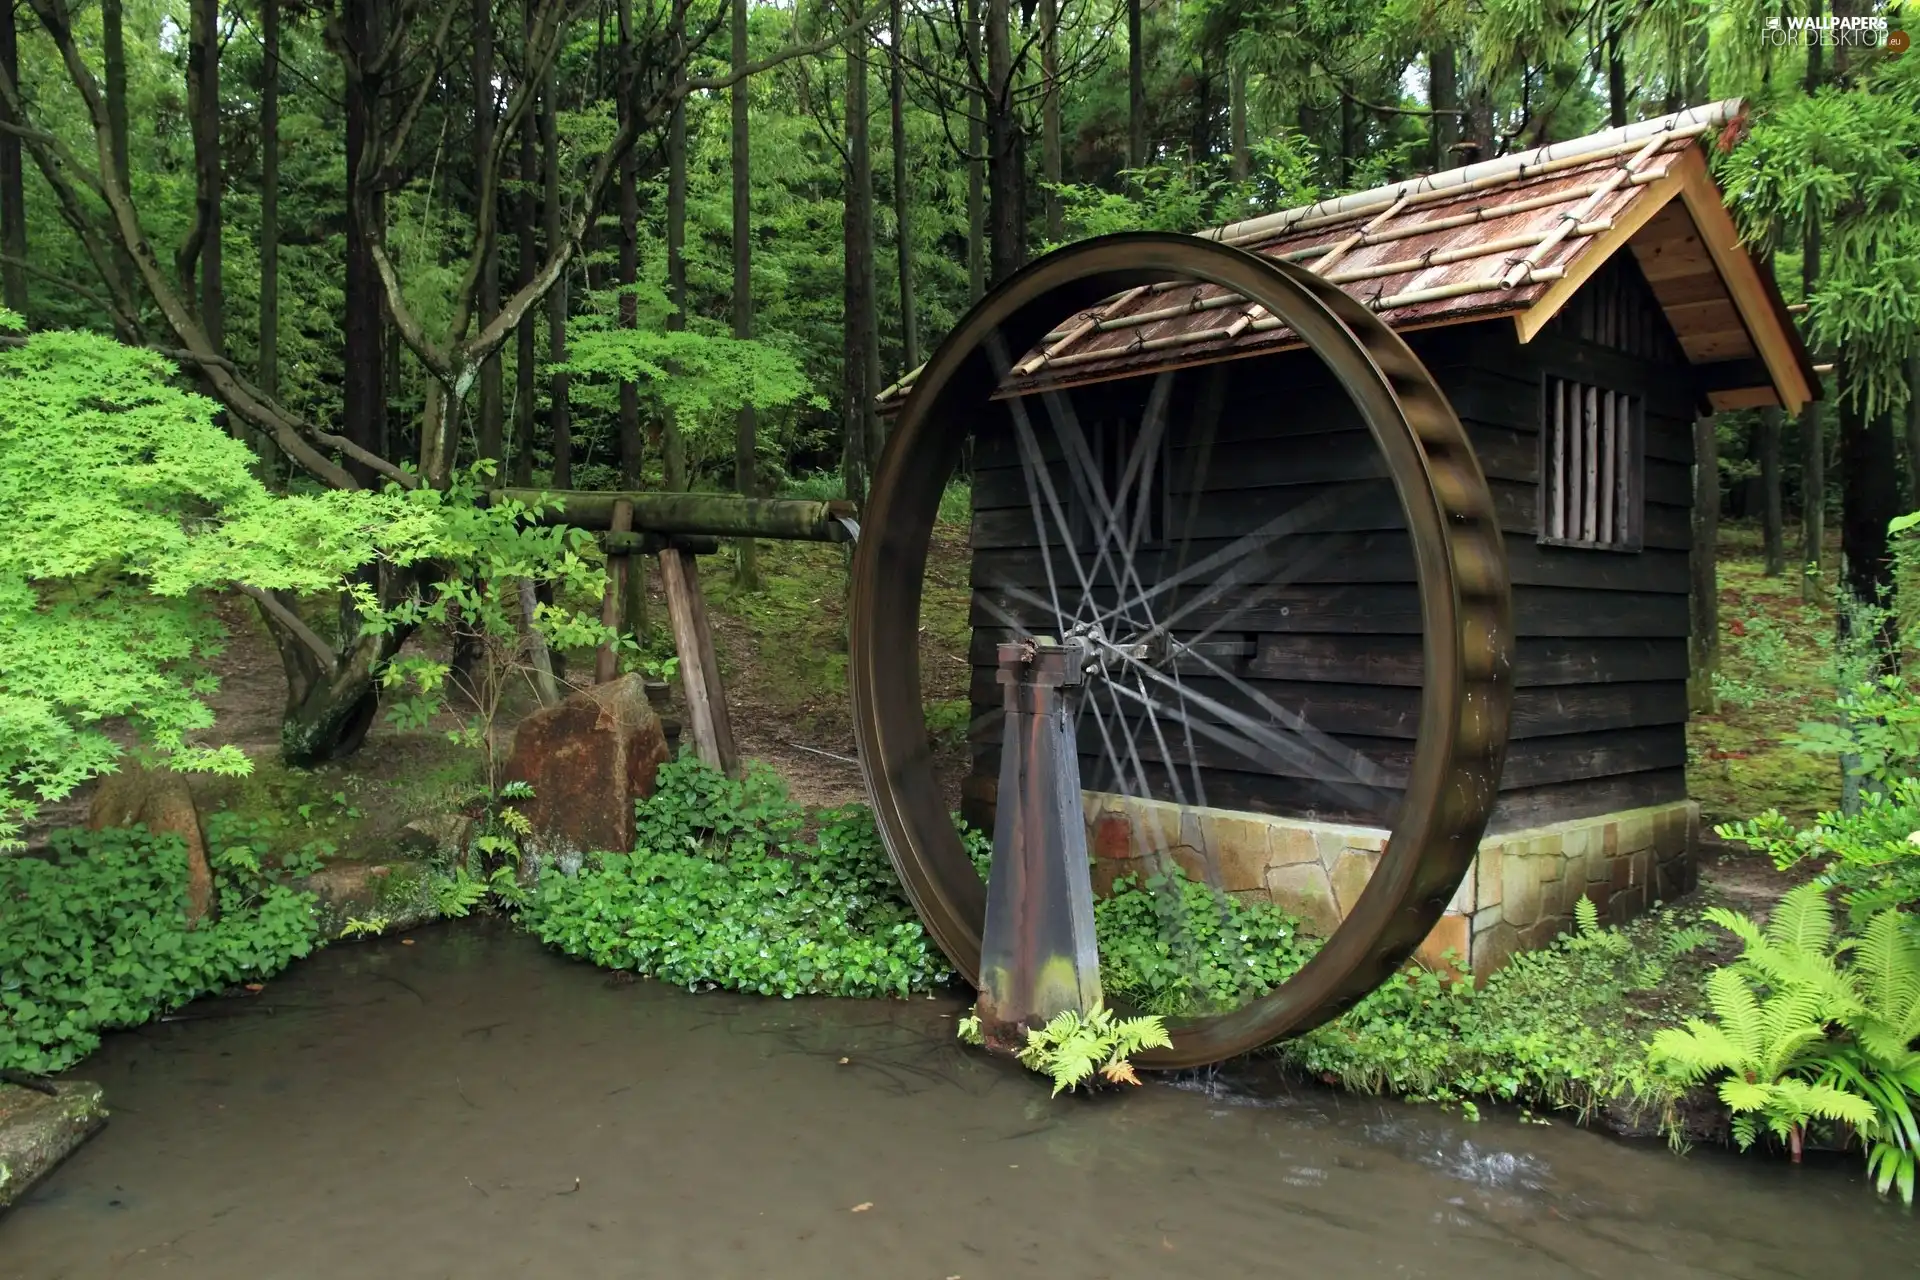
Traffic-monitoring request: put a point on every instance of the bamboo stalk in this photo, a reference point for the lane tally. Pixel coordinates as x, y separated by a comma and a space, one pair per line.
1072, 335
1339, 251
1568, 221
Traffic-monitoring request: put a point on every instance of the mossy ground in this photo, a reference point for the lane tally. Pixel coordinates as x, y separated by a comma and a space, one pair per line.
1777, 670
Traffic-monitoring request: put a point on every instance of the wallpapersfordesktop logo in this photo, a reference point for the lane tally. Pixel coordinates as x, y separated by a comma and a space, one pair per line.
1829, 31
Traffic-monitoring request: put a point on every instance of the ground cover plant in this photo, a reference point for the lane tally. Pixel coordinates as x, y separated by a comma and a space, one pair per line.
97, 937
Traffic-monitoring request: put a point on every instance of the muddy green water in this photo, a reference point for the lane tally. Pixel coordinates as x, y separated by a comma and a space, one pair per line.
470, 1106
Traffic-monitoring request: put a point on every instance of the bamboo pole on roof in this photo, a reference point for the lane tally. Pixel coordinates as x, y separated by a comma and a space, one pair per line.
1339, 251
1523, 269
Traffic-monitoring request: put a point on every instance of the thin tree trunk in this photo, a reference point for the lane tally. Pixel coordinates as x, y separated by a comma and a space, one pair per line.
1913, 424
1343, 162
490, 406
1704, 624
363, 403
857, 242
203, 94
1050, 117
559, 390
673, 453
744, 445
1136, 87
269, 341
1443, 96
1237, 122
13, 190
1771, 539
1616, 79
1200, 145
1813, 446
630, 439
526, 357
1006, 177
902, 190
976, 161
113, 56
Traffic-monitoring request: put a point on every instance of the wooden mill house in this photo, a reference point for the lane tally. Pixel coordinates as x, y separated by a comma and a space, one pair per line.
1581, 305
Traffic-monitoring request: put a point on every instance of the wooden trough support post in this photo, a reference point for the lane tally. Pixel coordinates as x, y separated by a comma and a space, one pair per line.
699, 671
607, 662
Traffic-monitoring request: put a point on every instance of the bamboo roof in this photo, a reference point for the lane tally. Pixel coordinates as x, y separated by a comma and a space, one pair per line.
1512, 237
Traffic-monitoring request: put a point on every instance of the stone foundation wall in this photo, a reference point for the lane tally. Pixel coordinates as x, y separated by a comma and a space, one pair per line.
1519, 894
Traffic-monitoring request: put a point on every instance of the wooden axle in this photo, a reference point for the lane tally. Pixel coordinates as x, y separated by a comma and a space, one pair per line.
716, 515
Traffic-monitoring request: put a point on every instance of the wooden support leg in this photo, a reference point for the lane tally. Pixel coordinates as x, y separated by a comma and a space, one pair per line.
699, 673
607, 665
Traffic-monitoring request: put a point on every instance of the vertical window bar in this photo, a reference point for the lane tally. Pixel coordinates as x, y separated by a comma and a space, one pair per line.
1609, 503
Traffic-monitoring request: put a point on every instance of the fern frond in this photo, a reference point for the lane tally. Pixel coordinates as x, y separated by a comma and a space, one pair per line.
1586, 917
1803, 920
1737, 1007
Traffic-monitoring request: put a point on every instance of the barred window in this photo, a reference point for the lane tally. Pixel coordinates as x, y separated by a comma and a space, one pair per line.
1591, 483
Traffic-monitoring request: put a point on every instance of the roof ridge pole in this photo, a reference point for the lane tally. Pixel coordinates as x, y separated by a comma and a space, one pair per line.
1693, 121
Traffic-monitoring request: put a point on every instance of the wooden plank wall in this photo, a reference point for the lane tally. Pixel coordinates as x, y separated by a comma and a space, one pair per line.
1600, 708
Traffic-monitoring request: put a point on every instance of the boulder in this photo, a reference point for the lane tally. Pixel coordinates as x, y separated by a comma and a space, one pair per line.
38, 1130
587, 759
158, 800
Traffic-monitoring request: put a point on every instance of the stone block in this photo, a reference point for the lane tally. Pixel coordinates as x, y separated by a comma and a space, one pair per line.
1112, 836
39, 1130
1520, 888
1449, 948
1636, 830
1288, 844
1464, 899
1331, 845
1350, 876
1302, 889
588, 759
1193, 862
1108, 870
1610, 839
1493, 947
1238, 847
1487, 870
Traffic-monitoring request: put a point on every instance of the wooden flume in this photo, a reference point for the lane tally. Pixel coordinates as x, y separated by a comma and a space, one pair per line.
677, 527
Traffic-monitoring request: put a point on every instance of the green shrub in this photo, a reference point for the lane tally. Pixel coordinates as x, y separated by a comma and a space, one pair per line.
97, 938
731, 886
1171, 945
1871, 855
1562, 1027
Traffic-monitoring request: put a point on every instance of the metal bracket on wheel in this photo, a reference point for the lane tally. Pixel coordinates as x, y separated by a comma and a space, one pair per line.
1037, 954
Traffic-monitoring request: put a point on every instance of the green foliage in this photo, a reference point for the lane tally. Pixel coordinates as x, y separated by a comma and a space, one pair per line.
1171, 945
125, 501
731, 885
1562, 1027
1871, 855
97, 938
1073, 1046
1798, 1037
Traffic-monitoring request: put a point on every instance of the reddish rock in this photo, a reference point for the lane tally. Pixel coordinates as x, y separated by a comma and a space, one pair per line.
587, 759
1112, 836
159, 801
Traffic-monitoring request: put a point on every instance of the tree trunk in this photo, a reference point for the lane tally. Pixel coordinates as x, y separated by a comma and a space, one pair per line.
363, 402
673, 453
1006, 176
1869, 498
1343, 163
1704, 623
490, 407
526, 356
1136, 87
744, 446
1813, 442
902, 192
269, 361
976, 161
1771, 538
1616, 79
1443, 96
559, 390
1200, 145
1050, 118
1237, 122
13, 190
203, 106
1913, 425
857, 242
630, 440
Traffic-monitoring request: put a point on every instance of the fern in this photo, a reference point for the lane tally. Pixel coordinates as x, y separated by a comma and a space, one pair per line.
1073, 1046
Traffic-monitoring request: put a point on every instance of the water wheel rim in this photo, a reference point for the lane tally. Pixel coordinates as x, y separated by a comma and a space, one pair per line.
1460, 569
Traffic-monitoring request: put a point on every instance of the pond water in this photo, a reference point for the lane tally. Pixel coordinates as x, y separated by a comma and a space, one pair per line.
471, 1106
